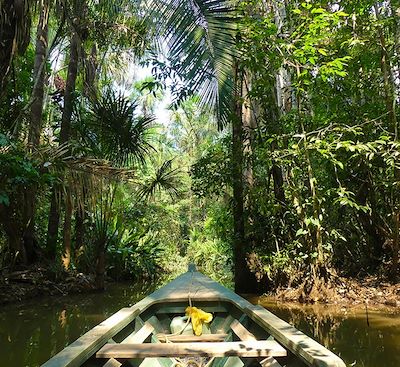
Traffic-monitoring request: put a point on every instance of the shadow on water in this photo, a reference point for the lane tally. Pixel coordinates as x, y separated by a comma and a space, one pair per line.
32, 332
346, 331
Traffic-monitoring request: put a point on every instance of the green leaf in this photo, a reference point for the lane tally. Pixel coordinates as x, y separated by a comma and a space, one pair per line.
4, 199
301, 232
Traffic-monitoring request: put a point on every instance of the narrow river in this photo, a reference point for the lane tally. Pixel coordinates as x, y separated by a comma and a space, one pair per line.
31, 332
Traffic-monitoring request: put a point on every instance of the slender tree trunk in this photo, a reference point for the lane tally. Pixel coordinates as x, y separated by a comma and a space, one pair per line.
249, 124
371, 224
281, 104
12, 229
54, 216
39, 75
245, 281
66, 257
52, 229
390, 99
79, 232
35, 128
70, 89
318, 265
320, 260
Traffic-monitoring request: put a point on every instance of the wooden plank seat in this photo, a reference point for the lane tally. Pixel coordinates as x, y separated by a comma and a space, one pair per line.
243, 334
241, 331
192, 338
137, 337
252, 348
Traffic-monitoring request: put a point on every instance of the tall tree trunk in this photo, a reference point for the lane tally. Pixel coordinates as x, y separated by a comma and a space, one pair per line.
66, 257
35, 128
39, 73
12, 228
54, 216
249, 124
319, 264
79, 231
245, 281
281, 104
395, 7
52, 229
371, 224
70, 88
390, 99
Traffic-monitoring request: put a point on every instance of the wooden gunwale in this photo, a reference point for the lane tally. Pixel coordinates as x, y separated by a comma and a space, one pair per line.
200, 288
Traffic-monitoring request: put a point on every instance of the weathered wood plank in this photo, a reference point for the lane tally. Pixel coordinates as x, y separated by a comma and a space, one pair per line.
140, 336
302, 346
223, 361
241, 331
181, 309
136, 337
244, 334
221, 325
270, 362
112, 363
193, 338
151, 362
158, 327
163, 362
253, 348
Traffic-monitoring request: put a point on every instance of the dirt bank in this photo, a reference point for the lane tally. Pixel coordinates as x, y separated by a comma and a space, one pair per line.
343, 291
39, 281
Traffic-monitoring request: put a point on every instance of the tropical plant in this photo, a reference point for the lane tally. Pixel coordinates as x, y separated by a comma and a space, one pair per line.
113, 130
165, 178
200, 38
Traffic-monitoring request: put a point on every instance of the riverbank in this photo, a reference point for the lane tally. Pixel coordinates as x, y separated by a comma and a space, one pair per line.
345, 291
38, 281
41, 281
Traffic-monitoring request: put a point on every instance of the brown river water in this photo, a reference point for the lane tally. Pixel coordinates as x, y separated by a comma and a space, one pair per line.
32, 332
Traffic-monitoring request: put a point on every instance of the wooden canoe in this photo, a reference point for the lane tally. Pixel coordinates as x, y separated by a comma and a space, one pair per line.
240, 334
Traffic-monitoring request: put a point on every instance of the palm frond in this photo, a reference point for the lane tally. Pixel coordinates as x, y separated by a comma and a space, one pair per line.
117, 133
165, 178
200, 37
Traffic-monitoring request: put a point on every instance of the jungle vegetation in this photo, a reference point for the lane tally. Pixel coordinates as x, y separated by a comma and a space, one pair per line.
278, 162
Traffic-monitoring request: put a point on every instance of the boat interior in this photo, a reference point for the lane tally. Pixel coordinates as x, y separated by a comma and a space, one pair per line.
231, 339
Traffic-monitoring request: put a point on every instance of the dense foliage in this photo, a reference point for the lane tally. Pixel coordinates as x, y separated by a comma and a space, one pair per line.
279, 159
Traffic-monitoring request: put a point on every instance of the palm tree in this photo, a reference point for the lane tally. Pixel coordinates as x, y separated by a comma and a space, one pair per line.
164, 178
201, 49
116, 132
106, 232
200, 39
113, 137
91, 21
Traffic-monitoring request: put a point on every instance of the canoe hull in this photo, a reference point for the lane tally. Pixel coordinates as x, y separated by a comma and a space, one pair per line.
159, 308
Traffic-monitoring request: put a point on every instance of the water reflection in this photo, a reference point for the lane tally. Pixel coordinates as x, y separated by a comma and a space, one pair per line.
33, 332
346, 331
